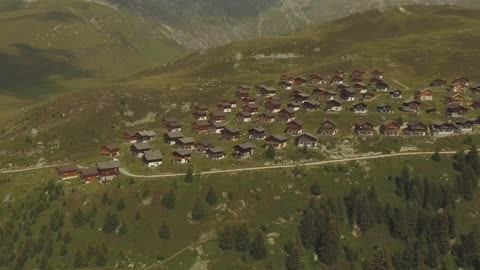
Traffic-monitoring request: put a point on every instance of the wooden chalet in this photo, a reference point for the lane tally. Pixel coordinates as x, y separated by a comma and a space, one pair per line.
216, 127
273, 106
215, 153
294, 127
171, 138
152, 159
202, 146
307, 140
396, 94
348, 94
459, 84
130, 137
411, 106
244, 116
342, 86
88, 174
146, 136
244, 150
174, 126
301, 97
300, 80
266, 117
217, 116
438, 83
356, 80
294, 105
181, 156
251, 108
317, 79
374, 81
416, 128
357, 73
231, 134
68, 171
224, 107
257, 133
139, 149
424, 94
464, 126
108, 171
454, 98
324, 94
167, 120
442, 128
360, 87
186, 143
277, 141
311, 105
242, 93
377, 74
390, 128
248, 100
111, 150
201, 127
286, 77
455, 110
286, 115
382, 86
384, 108
334, 106
364, 129
200, 115
265, 91
476, 104
232, 101
339, 73
201, 108
285, 85
327, 128
360, 108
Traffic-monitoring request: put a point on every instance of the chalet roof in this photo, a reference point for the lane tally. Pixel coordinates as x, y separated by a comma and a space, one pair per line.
67, 168
147, 133
186, 140
91, 171
225, 105
216, 150
201, 107
252, 106
277, 137
328, 121
409, 101
266, 114
257, 129
244, 114
359, 105
275, 102
364, 122
451, 94
131, 133
301, 78
170, 119
204, 143
348, 91
153, 156
361, 84
307, 135
141, 146
231, 130
389, 122
423, 90
218, 114
108, 165
182, 152
396, 91
200, 112
384, 106
244, 87
442, 123
218, 124
287, 110
230, 100
285, 82
296, 123
414, 123
201, 123
174, 135
302, 95
174, 124
112, 146
312, 102
245, 146
453, 106
294, 104
334, 101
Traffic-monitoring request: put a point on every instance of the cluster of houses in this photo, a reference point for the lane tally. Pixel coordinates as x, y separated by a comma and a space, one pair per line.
104, 172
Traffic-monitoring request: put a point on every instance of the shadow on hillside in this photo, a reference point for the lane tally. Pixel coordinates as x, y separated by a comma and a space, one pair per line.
30, 71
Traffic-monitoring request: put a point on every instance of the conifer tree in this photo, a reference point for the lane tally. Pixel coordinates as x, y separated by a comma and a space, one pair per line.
189, 175
79, 260
436, 156
381, 260
226, 238
258, 249
111, 223
270, 153
241, 237
328, 245
169, 200
440, 232
78, 218
307, 228
293, 260
315, 189
120, 204
433, 256
211, 198
198, 212
164, 231
460, 162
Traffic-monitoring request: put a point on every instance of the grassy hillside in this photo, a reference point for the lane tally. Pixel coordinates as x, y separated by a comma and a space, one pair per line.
49, 47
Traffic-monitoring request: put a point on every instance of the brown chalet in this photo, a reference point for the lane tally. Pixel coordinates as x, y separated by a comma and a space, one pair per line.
324, 94
186, 143
301, 97
459, 84
273, 106
364, 128
454, 98
199, 115
411, 106
217, 117
317, 79
181, 156
68, 171
244, 116
251, 108
215, 153
377, 74
232, 101
266, 117
424, 94
224, 107
174, 126
286, 85
130, 137
171, 138
108, 171
300, 80
286, 115
336, 80
216, 127
311, 105
455, 110
390, 128
111, 150
202, 146
360, 87
167, 120
89, 174
327, 128
231, 134
294, 127
357, 73
201, 127
396, 94
277, 141
416, 128
248, 100
476, 104
438, 83
244, 150
257, 133
265, 91
243, 91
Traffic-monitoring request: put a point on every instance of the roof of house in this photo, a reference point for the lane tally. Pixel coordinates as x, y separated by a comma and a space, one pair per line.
244, 114
266, 114
218, 114
147, 133
295, 122
216, 150
307, 135
218, 124
182, 152
174, 124
359, 105
112, 146
201, 123
453, 106
91, 171
231, 130
245, 146
277, 137
312, 103
186, 140
170, 119
108, 165
67, 168
141, 146
174, 135
390, 122
414, 123
204, 143
287, 110
153, 156
257, 129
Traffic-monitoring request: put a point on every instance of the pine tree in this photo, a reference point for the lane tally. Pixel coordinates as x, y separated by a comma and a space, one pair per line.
164, 231
123, 228
241, 237
315, 188
100, 260
294, 259
226, 238
79, 260
120, 204
328, 245
67, 237
460, 162
258, 249
270, 153
440, 232
198, 212
381, 260
436, 156
105, 198
111, 223
78, 218
189, 175
89, 253
169, 200
211, 198
433, 256
307, 229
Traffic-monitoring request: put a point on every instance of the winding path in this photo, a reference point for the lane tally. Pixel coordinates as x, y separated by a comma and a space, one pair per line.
309, 164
